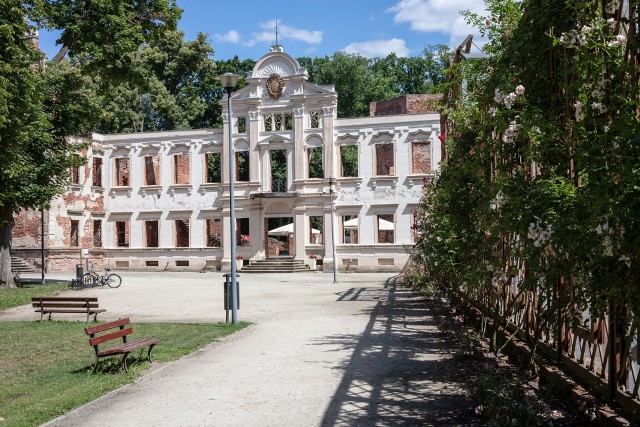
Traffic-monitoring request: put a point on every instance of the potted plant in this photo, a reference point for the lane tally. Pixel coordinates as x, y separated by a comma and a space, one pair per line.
312, 261
239, 262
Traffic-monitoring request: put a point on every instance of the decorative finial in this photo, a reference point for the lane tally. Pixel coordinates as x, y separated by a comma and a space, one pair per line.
277, 47
277, 41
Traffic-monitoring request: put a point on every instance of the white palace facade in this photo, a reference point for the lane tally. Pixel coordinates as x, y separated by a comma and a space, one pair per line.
160, 200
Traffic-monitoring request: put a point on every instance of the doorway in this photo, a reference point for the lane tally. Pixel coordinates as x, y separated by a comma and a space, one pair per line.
278, 236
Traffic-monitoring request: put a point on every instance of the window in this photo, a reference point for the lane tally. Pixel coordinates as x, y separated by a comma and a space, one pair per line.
384, 159
181, 172
122, 172
416, 232
242, 124
214, 168
349, 229
152, 170
74, 173
316, 228
421, 157
278, 171
214, 233
151, 234
385, 226
278, 122
97, 172
314, 158
242, 166
182, 233
73, 232
314, 119
122, 234
97, 233
242, 232
349, 160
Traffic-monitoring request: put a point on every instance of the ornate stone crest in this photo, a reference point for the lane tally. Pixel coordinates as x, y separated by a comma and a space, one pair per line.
275, 86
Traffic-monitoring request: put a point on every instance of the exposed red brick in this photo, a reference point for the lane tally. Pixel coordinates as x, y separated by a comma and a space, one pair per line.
151, 234
385, 236
97, 233
421, 157
406, 104
122, 172
384, 159
181, 171
182, 233
97, 172
214, 233
152, 170
27, 229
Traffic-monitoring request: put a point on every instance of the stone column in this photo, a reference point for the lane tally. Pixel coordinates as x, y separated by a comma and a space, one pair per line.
327, 261
299, 232
298, 137
225, 263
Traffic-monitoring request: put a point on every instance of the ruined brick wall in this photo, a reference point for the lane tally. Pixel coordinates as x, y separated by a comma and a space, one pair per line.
122, 234
26, 231
384, 159
97, 233
181, 169
97, 172
273, 246
421, 157
152, 170
214, 233
122, 172
406, 104
182, 233
151, 234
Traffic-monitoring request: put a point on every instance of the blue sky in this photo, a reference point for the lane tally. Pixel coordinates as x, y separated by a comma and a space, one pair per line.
320, 27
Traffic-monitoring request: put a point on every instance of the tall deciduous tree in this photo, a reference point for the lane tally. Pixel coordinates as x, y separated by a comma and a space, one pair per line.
40, 108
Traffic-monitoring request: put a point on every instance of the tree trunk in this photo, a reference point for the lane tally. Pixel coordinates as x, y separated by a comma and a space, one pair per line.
6, 225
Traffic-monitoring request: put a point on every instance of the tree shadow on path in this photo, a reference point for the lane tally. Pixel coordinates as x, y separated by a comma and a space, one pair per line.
402, 371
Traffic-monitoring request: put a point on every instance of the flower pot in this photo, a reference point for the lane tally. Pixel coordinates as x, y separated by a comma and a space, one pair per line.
239, 264
312, 263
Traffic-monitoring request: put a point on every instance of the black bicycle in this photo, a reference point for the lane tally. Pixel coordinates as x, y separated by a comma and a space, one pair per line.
108, 278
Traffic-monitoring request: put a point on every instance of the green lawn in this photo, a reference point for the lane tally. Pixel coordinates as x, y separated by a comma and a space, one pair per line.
46, 366
13, 297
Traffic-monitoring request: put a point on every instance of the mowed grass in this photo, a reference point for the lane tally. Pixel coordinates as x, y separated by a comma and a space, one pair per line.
14, 297
46, 366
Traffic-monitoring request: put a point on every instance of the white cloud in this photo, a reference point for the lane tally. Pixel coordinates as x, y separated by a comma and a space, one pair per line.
284, 32
230, 36
441, 16
378, 48
287, 32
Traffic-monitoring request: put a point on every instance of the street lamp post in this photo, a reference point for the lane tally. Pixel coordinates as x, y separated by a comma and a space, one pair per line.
333, 232
229, 81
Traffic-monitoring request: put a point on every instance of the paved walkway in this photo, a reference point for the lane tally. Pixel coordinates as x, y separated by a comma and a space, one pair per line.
362, 352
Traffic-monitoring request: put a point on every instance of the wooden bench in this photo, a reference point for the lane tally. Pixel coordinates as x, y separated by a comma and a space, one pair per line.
122, 348
49, 305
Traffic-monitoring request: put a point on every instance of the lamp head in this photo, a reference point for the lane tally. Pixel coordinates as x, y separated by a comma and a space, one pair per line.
229, 81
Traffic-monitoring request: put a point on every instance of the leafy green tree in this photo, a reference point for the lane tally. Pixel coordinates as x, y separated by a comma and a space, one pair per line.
40, 107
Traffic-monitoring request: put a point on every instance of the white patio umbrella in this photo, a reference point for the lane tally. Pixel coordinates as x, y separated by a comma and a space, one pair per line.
384, 225
286, 230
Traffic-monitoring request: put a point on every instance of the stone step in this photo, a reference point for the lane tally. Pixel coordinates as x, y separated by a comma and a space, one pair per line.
21, 266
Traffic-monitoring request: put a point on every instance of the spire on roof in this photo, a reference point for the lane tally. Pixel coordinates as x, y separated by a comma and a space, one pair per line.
277, 47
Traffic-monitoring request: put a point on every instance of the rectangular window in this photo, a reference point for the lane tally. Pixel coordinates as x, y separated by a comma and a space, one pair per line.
384, 159
151, 234
349, 229
242, 124
314, 158
97, 233
182, 233
278, 171
316, 228
122, 234
181, 172
242, 232
214, 233
152, 170
75, 175
74, 239
122, 172
416, 233
349, 160
385, 227
97, 172
278, 122
214, 168
421, 157
242, 166
314, 118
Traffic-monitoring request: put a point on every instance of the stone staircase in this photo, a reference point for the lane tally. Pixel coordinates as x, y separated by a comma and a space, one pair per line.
279, 264
20, 266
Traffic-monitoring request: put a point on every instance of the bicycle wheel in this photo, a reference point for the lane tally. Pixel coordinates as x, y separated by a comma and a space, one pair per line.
88, 280
113, 280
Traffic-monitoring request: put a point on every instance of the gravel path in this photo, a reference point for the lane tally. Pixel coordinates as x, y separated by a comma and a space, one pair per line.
363, 352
